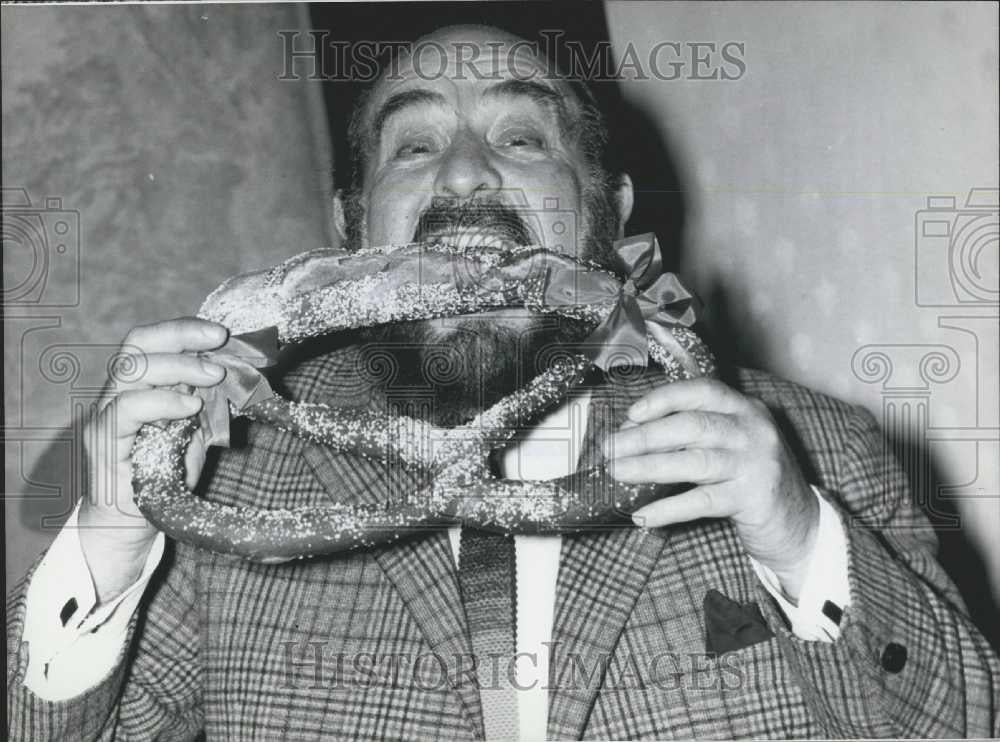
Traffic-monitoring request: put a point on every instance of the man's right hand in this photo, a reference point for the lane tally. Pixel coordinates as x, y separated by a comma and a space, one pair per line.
114, 535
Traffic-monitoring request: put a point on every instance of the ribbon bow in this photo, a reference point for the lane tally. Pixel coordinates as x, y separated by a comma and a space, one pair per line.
649, 301
243, 386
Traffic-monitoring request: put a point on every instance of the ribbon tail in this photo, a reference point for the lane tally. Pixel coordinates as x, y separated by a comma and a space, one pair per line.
260, 393
620, 340
668, 302
243, 386
214, 417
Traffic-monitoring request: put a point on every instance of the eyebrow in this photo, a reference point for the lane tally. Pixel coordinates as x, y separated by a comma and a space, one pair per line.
541, 94
401, 101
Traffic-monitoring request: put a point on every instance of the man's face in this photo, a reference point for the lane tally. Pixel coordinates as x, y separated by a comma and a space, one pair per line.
466, 122
478, 153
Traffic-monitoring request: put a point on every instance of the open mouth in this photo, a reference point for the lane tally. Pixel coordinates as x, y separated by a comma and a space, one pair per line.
486, 225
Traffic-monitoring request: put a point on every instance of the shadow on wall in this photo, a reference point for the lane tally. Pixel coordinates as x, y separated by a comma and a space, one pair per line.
963, 562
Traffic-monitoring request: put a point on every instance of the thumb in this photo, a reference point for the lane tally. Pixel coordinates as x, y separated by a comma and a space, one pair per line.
194, 459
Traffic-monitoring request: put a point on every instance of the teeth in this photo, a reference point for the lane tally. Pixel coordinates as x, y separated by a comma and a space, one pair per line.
472, 239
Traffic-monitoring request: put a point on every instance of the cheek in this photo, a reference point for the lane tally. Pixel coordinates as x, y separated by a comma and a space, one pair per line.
546, 185
554, 200
394, 203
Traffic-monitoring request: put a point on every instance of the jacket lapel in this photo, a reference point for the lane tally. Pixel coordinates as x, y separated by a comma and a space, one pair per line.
421, 568
600, 578
600, 575
423, 572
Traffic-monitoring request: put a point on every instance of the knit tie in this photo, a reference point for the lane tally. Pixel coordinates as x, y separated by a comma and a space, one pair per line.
487, 579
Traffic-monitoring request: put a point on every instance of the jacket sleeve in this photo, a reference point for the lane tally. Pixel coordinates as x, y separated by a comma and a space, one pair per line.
153, 691
909, 661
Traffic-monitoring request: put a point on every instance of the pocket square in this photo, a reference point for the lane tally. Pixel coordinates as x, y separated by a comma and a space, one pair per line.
730, 626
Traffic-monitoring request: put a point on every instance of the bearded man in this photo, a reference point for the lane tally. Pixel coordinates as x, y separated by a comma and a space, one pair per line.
791, 591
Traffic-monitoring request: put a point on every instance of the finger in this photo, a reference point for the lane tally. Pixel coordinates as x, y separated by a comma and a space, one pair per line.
176, 336
132, 409
693, 465
680, 430
709, 395
144, 370
700, 502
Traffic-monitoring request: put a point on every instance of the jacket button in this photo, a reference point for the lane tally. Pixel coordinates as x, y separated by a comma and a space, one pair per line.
893, 657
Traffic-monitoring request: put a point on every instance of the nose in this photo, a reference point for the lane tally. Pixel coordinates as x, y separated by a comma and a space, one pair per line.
466, 169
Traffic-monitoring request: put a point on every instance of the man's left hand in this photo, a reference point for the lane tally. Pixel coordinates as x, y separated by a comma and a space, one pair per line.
728, 445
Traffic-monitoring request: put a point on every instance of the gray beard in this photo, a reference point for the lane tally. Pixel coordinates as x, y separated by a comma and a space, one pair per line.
448, 375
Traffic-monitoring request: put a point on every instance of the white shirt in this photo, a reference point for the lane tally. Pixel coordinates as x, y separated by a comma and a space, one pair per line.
69, 657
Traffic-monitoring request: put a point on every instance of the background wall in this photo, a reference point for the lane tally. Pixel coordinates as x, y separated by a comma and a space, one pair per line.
794, 193
802, 184
178, 159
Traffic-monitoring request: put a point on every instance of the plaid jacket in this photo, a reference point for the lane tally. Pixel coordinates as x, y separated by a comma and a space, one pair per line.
371, 645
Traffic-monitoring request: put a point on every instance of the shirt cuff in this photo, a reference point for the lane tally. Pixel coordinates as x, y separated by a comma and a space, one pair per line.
826, 589
72, 645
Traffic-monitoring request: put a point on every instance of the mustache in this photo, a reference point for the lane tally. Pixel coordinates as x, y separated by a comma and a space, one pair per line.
447, 217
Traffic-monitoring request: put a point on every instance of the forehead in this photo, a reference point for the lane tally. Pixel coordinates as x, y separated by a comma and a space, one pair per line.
462, 65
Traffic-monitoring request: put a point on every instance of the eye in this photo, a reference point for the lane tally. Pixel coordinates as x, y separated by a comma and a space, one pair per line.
524, 141
521, 139
415, 148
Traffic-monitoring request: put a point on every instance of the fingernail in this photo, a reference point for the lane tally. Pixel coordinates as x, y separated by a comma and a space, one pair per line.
192, 403
212, 369
214, 332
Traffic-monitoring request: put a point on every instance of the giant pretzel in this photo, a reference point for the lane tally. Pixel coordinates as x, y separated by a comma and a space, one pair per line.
327, 291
